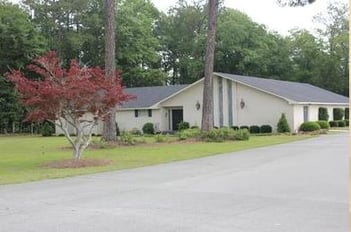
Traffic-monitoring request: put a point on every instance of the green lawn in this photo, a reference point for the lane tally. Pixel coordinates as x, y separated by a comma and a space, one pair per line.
22, 157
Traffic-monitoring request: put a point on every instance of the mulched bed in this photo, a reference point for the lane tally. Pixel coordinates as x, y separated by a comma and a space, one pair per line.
82, 163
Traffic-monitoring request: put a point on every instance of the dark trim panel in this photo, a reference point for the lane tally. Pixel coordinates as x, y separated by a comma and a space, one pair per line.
220, 100
230, 103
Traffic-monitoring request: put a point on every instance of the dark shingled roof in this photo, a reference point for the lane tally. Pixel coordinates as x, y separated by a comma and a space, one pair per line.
298, 92
148, 96
292, 91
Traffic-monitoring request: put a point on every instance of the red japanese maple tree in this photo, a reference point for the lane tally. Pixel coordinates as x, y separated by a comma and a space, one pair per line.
76, 96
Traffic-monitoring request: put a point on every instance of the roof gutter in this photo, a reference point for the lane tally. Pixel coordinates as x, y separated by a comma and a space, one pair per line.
320, 103
141, 108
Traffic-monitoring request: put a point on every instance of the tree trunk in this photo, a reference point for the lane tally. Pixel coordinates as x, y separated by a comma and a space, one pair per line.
207, 105
77, 152
109, 128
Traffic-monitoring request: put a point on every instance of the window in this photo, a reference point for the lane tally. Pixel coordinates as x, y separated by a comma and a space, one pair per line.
149, 113
305, 113
136, 113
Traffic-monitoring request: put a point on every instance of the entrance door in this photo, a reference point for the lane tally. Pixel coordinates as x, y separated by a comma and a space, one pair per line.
177, 117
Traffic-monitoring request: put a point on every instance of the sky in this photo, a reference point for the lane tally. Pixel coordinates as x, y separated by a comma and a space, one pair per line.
267, 12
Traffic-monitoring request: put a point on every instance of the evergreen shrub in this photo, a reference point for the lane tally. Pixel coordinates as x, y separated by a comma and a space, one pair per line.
283, 125
341, 123
254, 129
323, 124
183, 126
333, 123
309, 126
47, 129
265, 129
148, 128
244, 127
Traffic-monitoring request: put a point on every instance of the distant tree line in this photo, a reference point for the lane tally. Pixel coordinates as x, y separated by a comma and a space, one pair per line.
156, 48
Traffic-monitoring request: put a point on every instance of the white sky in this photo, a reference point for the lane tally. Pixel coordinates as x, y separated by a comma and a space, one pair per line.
267, 12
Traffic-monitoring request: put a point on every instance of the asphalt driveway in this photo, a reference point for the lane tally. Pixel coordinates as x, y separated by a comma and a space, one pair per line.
297, 187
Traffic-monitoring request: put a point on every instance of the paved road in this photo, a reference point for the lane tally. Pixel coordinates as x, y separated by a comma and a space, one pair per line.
297, 187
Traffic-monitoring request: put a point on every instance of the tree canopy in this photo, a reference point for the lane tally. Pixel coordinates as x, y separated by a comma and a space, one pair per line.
64, 95
19, 42
156, 48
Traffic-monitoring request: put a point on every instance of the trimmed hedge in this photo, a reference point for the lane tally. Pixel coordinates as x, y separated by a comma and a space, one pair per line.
309, 126
148, 128
323, 114
341, 123
235, 127
244, 127
338, 114
323, 124
283, 125
254, 129
266, 129
333, 123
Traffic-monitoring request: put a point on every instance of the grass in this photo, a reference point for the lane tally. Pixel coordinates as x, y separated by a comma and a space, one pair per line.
22, 157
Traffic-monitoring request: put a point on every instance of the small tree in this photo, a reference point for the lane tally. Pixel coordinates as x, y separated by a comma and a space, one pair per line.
323, 114
283, 125
47, 129
63, 96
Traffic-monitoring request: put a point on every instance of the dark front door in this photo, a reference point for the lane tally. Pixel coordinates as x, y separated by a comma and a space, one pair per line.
177, 117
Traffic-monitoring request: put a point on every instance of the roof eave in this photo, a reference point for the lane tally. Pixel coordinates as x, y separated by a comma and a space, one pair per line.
320, 103
138, 108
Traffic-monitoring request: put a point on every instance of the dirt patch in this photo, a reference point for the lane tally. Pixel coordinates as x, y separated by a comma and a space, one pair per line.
82, 163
